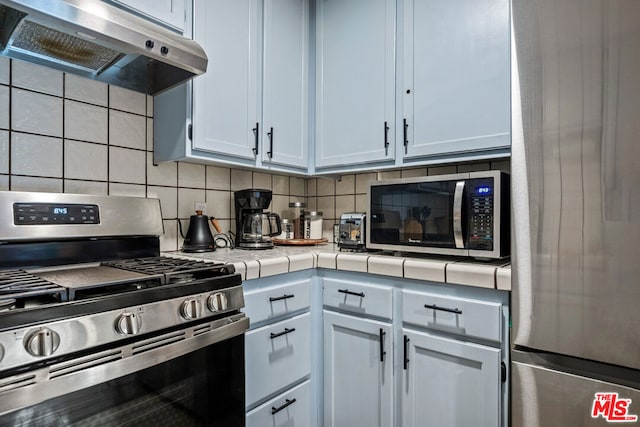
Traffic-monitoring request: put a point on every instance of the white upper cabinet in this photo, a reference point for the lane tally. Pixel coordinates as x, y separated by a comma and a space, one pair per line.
226, 106
355, 81
285, 100
170, 12
456, 77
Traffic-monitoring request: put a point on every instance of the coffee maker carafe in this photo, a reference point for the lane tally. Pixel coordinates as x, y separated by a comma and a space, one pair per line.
254, 226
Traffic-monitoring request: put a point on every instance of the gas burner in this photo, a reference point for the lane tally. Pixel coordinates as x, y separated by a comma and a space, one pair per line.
155, 265
19, 285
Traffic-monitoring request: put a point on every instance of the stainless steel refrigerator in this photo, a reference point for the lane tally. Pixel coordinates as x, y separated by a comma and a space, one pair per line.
576, 213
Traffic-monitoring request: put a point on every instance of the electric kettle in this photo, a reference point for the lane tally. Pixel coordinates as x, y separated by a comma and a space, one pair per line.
199, 237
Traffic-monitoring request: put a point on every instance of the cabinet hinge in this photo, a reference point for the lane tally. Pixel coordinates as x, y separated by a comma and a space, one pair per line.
503, 372
190, 132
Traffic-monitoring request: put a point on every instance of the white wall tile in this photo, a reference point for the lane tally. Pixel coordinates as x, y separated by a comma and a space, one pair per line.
130, 190
83, 160
85, 122
280, 184
389, 175
280, 205
36, 113
27, 183
127, 130
149, 106
501, 165
241, 179
191, 175
326, 187
410, 173
36, 155
312, 187
4, 107
149, 134
170, 240
474, 167
86, 90
442, 170
127, 100
165, 173
4, 70
37, 77
85, 187
361, 203
168, 199
346, 184
186, 201
4, 151
344, 204
362, 181
262, 180
218, 204
4, 182
218, 178
327, 205
297, 186
126, 165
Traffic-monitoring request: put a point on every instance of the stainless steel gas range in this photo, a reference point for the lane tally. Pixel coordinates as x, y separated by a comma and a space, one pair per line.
96, 328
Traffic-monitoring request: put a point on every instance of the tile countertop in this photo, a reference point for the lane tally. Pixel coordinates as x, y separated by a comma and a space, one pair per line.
253, 264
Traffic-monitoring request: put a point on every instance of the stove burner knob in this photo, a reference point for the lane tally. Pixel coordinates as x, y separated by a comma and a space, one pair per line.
217, 302
191, 309
128, 323
41, 342
1, 353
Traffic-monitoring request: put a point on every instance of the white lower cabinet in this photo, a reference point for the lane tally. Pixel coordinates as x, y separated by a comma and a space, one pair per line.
290, 409
448, 382
358, 362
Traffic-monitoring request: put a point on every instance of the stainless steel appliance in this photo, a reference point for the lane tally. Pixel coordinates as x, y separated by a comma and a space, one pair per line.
94, 39
254, 227
352, 231
576, 194
97, 328
458, 214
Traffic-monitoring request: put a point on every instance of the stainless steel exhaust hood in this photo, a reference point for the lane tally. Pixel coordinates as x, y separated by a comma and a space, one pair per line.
93, 39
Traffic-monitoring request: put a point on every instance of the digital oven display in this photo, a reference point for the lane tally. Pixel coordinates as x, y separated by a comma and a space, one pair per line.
483, 190
55, 214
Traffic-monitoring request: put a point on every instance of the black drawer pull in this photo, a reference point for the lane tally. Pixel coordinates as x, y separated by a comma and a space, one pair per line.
286, 403
348, 292
285, 332
448, 310
405, 361
272, 299
382, 352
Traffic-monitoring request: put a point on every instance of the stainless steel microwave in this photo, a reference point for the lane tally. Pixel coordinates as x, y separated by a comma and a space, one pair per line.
459, 214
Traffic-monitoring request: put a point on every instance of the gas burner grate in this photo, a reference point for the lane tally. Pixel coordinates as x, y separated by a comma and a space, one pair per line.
165, 265
18, 284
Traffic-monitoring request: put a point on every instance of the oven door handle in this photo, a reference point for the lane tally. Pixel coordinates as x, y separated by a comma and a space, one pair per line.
457, 215
33, 387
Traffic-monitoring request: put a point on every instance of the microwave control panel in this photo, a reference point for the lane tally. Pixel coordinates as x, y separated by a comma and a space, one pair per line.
52, 214
481, 214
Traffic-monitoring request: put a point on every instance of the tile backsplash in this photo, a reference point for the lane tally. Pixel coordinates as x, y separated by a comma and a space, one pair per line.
63, 133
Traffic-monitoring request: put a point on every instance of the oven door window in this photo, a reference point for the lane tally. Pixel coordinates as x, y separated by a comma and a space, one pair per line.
414, 214
201, 388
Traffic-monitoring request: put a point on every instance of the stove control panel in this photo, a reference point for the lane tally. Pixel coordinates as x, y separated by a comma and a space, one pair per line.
41, 342
58, 213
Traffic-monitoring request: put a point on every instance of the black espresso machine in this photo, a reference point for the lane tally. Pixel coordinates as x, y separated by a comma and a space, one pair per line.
254, 226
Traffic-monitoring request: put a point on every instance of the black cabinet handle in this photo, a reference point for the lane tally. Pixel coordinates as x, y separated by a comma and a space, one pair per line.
348, 292
448, 310
382, 352
256, 134
405, 135
286, 403
272, 299
270, 135
386, 138
405, 361
285, 332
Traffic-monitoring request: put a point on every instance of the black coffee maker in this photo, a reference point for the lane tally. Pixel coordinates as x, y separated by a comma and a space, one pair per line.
254, 226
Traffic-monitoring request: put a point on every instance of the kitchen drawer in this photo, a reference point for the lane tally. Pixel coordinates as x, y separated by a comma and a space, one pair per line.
290, 409
276, 356
357, 298
276, 301
468, 317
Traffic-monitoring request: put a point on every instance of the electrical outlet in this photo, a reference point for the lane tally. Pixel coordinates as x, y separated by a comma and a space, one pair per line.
200, 206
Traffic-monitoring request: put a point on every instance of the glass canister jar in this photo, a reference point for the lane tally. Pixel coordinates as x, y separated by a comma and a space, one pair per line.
295, 214
313, 225
287, 229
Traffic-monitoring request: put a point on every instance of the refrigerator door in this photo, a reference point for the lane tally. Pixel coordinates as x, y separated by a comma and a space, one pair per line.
545, 396
575, 178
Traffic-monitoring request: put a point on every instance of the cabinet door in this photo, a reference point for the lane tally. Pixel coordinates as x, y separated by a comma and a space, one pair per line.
171, 12
446, 382
355, 81
456, 83
357, 384
285, 100
225, 98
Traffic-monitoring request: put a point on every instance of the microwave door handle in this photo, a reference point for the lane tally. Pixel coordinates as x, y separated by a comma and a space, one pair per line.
457, 215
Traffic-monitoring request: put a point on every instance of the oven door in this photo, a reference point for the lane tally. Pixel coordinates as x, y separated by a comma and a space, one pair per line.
189, 377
